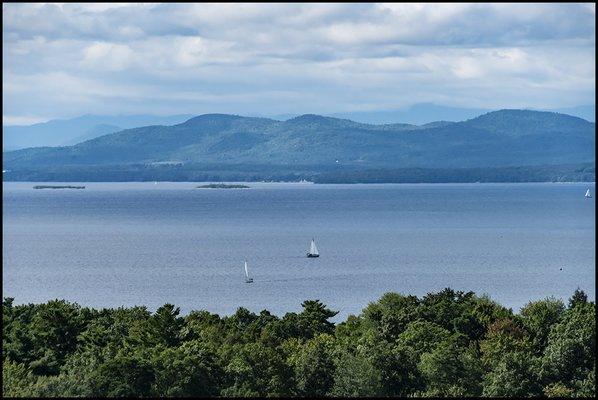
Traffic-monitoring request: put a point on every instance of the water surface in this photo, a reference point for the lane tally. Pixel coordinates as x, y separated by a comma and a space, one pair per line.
115, 244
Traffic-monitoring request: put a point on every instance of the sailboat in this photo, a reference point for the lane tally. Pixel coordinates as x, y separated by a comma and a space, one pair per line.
588, 195
313, 250
247, 278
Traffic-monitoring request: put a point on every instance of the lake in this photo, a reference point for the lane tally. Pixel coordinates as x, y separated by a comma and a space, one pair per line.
141, 243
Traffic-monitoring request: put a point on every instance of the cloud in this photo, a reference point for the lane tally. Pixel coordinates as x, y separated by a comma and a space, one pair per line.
68, 59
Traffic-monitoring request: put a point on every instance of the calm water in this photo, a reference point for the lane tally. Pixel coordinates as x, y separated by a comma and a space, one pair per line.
115, 244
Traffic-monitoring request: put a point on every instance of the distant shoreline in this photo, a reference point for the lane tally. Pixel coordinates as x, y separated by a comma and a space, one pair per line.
57, 187
222, 186
308, 183
318, 174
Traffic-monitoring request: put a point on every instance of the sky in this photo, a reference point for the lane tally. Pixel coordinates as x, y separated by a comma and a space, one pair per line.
64, 60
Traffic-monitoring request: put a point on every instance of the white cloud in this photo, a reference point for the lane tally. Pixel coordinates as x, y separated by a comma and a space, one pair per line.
66, 59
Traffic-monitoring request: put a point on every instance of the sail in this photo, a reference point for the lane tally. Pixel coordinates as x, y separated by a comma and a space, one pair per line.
588, 193
246, 271
313, 249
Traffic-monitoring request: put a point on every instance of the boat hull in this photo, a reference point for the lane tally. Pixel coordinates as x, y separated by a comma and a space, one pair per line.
312, 255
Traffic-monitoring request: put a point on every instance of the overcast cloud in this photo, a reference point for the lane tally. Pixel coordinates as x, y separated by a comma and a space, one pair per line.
64, 60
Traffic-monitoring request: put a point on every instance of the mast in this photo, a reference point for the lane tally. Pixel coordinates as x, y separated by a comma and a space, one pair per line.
246, 271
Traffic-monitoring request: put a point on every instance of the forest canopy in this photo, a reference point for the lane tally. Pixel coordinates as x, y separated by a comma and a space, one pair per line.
449, 343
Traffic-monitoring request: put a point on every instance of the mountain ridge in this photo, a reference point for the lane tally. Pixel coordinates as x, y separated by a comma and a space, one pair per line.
501, 138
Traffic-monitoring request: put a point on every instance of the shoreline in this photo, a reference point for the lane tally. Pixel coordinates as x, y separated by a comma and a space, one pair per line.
299, 183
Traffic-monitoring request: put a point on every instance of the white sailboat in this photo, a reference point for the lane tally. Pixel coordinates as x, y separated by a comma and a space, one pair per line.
247, 278
313, 250
588, 195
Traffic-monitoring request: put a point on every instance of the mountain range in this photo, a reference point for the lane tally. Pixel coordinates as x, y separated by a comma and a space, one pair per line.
503, 138
65, 132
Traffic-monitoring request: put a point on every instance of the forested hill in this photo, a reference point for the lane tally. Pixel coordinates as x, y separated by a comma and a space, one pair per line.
495, 139
449, 344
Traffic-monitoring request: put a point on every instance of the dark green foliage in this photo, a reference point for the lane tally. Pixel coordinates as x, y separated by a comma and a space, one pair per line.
310, 145
450, 370
569, 355
222, 186
538, 318
188, 370
124, 376
579, 297
449, 343
356, 375
514, 375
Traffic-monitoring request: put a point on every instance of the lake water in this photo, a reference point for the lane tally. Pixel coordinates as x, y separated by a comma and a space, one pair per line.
115, 244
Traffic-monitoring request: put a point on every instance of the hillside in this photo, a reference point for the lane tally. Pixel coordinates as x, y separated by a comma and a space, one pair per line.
496, 139
66, 132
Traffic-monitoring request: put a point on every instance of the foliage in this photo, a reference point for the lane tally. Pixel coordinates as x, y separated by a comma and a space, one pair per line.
449, 343
489, 148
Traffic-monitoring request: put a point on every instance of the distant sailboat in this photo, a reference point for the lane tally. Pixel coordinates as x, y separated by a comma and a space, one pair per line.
313, 250
247, 278
588, 195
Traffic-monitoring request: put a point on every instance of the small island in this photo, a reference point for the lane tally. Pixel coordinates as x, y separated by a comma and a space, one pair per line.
222, 186
57, 187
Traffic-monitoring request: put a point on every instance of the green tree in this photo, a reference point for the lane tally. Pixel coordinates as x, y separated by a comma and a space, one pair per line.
167, 325
190, 370
538, 318
124, 376
579, 297
390, 315
570, 353
17, 380
422, 337
257, 370
355, 376
446, 306
314, 366
450, 371
314, 319
514, 375
54, 329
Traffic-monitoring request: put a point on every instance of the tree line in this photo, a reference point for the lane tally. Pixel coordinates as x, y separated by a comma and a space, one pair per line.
194, 172
449, 343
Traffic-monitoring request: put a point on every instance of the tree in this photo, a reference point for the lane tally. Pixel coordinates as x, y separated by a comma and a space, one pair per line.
17, 380
422, 337
355, 375
449, 370
188, 370
514, 375
54, 329
257, 370
124, 376
314, 366
445, 306
391, 315
504, 336
314, 319
538, 317
579, 297
167, 325
448, 344
569, 355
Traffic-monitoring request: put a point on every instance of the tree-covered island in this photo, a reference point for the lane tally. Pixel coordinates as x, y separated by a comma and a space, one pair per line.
222, 186
444, 344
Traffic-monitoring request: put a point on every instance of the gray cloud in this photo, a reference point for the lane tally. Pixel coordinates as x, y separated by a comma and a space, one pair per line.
67, 59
